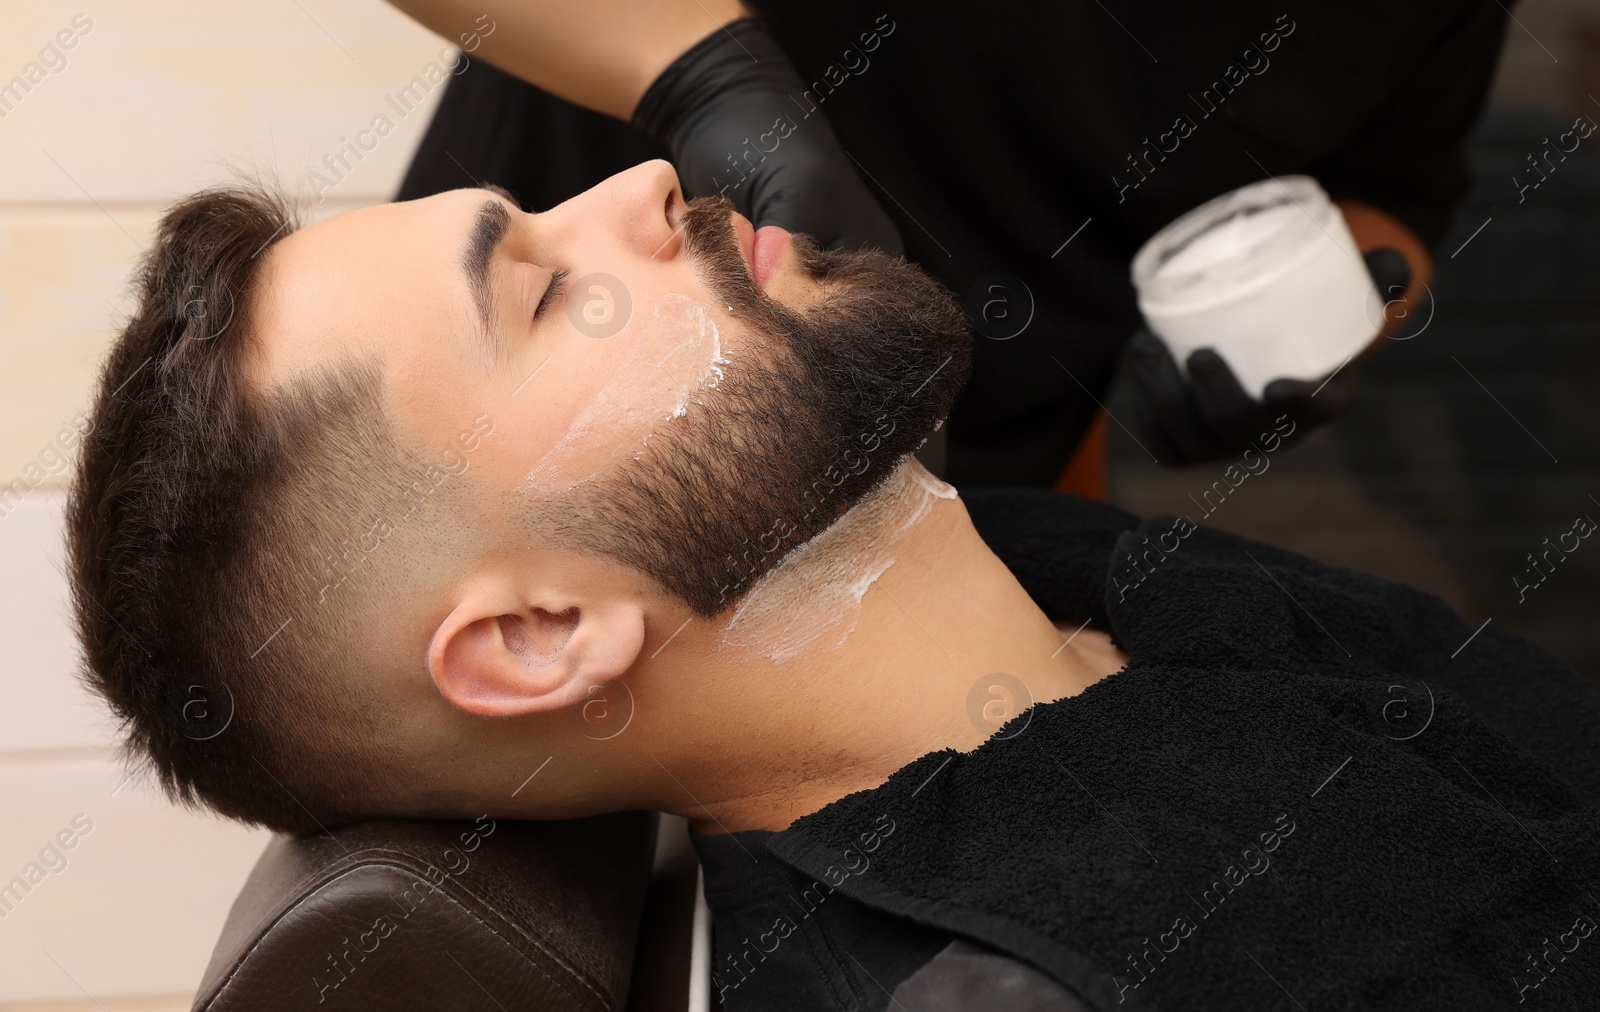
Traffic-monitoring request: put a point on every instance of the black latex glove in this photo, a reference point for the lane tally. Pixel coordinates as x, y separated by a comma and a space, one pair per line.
715, 101
1210, 416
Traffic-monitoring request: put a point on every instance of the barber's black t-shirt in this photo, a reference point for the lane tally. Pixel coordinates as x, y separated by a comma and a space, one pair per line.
1026, 150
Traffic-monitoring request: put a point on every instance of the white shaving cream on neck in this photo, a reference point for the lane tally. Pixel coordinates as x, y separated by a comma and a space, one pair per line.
816, 591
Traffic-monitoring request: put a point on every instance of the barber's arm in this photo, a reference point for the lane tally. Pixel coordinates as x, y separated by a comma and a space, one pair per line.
702, 77
600, 54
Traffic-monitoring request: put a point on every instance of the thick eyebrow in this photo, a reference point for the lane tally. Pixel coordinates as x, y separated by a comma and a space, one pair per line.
489, 227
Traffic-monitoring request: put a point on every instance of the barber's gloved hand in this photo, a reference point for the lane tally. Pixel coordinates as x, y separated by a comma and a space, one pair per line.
1209, 416
787, 168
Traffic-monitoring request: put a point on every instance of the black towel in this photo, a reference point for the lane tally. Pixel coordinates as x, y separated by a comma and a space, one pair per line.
1310, 788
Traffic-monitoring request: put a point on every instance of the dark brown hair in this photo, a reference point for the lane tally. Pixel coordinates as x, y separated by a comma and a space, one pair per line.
199, 525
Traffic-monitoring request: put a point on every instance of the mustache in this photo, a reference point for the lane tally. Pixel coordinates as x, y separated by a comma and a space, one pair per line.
708, 227
713, 245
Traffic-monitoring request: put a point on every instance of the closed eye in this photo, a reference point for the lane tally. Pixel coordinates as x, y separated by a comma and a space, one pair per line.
558, 285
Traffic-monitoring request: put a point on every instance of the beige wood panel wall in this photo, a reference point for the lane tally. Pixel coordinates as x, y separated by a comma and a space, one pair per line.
109, 110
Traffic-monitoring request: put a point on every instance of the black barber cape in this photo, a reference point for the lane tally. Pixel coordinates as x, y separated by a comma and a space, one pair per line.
1309, 788
1026, 150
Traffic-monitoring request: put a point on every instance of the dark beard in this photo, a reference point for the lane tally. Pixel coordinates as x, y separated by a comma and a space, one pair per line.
803, 426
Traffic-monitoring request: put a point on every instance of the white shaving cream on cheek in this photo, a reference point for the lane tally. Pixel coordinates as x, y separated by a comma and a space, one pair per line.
816, 591
668, 364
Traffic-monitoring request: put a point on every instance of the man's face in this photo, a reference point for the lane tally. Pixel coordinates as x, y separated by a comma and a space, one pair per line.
686, 397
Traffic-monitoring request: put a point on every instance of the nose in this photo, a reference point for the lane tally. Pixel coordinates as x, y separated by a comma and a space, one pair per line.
630, 209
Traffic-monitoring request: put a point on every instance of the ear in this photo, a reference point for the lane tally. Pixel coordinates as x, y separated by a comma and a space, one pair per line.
492, 662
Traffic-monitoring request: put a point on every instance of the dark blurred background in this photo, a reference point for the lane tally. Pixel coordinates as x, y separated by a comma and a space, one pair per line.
1428, 479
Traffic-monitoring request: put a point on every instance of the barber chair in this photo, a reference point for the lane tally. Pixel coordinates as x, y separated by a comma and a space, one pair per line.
591, 915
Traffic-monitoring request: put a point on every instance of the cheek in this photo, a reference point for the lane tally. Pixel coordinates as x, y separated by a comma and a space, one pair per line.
688, 352
667, 359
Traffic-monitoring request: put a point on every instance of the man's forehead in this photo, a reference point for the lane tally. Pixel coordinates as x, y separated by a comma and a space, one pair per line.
367, 279
450, 210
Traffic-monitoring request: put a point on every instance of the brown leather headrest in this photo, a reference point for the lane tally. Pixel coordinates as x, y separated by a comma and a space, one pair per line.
431, 915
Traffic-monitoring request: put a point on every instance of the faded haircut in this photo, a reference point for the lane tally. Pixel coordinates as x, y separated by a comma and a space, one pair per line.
217, 537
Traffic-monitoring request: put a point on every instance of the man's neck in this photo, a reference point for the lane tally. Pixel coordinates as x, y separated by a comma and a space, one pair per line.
895, 633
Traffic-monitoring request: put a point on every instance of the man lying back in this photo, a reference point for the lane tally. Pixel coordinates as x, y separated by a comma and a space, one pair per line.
442, 508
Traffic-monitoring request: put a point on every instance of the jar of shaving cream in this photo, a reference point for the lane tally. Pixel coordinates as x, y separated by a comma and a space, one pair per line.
1268, 276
